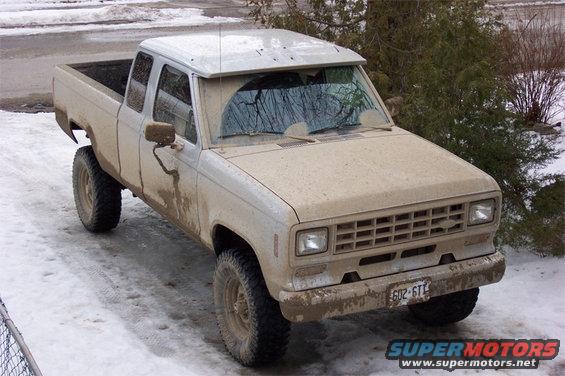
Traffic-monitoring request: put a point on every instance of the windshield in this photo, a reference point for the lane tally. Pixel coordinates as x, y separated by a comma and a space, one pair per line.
276, 105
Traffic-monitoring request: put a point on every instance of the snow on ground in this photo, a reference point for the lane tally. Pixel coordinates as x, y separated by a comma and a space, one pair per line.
137, 301
15, 5
558, 166
524, 4
23, 18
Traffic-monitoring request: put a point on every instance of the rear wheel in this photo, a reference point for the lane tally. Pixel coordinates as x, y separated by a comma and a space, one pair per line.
446, 309
250, 321
98, 196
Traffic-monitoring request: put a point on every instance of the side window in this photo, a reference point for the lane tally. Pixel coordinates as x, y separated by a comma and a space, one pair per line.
138, 81
173, 104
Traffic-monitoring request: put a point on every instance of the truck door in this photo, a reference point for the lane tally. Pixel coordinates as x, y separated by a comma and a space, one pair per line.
174, 195
130, 121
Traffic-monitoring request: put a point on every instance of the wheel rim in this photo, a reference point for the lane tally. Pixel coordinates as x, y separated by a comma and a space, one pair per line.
85, 191
237, 308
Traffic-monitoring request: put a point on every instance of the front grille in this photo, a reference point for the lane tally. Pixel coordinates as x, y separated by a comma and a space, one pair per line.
399, 228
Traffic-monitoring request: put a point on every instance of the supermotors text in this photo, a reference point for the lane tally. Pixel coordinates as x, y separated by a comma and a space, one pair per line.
472, 353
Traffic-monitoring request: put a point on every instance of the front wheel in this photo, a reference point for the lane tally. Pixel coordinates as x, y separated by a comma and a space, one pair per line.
250, 321
446, 309
98, 197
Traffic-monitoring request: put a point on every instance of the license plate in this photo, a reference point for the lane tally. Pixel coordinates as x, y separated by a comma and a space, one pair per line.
409, 293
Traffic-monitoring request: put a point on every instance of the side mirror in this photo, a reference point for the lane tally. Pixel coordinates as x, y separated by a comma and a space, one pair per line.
161, 133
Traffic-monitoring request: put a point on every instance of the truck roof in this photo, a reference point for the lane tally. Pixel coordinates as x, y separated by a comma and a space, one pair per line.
250, 51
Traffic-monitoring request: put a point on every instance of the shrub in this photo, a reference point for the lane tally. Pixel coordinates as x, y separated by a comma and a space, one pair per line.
543, 225
532, 63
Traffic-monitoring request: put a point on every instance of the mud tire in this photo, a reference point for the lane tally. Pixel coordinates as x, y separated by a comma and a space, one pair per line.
267, 334
446, 309
98, 196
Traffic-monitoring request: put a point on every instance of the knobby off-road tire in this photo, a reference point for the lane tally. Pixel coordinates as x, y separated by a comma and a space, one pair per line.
252, 326
446, 309
98, 197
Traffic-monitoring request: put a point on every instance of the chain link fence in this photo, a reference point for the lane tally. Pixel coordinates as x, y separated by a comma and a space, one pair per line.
15, 358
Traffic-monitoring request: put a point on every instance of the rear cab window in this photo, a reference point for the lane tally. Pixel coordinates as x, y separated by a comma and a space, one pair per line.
173, 103
138, 81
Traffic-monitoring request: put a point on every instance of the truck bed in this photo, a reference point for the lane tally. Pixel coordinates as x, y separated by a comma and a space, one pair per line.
112, 74
88, 96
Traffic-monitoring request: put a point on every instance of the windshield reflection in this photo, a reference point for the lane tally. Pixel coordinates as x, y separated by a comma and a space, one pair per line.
311, 102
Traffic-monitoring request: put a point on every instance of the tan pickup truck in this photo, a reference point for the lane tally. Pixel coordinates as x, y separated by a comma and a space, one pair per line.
274, 150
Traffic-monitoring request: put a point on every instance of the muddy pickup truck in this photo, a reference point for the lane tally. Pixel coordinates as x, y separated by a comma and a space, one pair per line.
275, 151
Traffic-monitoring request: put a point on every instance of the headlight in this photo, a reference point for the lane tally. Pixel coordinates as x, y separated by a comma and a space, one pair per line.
312, 241
481, 212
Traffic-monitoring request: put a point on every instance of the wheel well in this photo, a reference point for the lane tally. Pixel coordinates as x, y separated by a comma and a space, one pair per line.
74, 126
224, 239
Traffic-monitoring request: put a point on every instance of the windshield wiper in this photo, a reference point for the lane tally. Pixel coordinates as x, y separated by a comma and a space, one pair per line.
302, 138
352, 125
252, 134
376, 127
337, 127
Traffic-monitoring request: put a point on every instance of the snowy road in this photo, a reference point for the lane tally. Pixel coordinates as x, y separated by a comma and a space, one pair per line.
137, 301
36, 35
63, 17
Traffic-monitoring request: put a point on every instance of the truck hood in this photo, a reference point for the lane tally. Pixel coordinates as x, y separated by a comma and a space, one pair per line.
333, 179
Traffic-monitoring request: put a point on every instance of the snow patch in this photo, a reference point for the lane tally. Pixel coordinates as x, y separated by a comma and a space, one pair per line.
116, 16
68, 327
558, 112
525, 4
17, 5
557, 166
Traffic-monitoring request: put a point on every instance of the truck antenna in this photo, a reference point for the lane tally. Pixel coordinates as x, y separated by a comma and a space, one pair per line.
221, 91
220, 42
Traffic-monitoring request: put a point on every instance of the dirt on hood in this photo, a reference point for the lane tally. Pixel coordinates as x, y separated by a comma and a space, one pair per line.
328, 180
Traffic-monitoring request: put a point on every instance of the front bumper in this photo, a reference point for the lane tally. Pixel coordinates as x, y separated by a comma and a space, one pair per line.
369, 294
